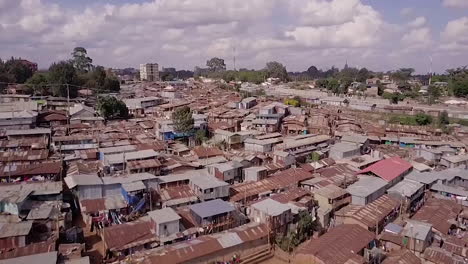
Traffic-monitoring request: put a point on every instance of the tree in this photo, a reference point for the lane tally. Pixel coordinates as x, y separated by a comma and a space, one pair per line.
111, 107
433, 94
444, 119
18, 70
423, 119
216, 64
275, 69
292, 102
458, 81
183, 120
62, 75
80, 60
200, 135
111, 84
37, 84
313, 72
362, 75
99, 76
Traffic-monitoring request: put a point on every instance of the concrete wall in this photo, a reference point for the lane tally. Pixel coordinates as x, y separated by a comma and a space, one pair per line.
170, 228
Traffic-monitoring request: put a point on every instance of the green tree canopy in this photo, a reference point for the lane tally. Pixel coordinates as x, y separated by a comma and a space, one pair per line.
275, 69
423, 119
62, 74
444, 118
111, 107
37, 84
216, 64
183, 120
80, 59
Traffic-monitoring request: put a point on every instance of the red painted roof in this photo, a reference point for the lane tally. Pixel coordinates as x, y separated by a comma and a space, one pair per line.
388, 169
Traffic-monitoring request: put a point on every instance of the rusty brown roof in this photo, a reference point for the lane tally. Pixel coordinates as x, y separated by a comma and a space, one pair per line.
207, 152
371, 213
31, 249
119, 237
439, 213
440, 256
31, 169
402, 256
289, 177
338, 245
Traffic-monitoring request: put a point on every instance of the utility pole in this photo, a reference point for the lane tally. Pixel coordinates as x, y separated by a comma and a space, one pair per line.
68, 107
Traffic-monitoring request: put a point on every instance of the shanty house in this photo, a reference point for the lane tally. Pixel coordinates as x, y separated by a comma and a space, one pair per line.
14, 235
344, 150
229, 172
391, 170
366, 190
418, 235
456, 161
85, 186
340, 245
278, 215
211, 212
166, 222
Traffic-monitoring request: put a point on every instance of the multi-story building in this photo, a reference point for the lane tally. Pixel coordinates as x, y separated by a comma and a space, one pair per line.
149, 72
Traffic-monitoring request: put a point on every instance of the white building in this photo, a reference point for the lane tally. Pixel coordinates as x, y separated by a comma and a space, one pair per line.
149, 72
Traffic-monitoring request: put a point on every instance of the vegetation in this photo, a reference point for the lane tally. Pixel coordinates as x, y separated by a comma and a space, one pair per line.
110, 107
417, 120
216, 65
80, 60
305, 227
183, 120
65, 77
275, 69
292, 102
458, 81
13, 71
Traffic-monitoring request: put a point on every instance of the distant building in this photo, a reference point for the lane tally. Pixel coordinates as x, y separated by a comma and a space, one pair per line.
149, 72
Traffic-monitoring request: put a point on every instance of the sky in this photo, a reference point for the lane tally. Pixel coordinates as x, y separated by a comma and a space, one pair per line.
380, 35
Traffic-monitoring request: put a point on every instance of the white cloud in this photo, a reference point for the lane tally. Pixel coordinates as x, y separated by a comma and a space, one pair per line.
406, 11
186, 33
455, 35
417, 39
417, 22
455, 3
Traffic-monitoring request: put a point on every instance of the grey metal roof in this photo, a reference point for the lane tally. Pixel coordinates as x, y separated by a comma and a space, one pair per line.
406, 188
271, 207
416, 229
355, 138
42, 211
365, 186
231, 165
344, 147
393, 228
164, 215
206, 182
133, 186
128, 178
43, 258
456, 158
35, 131
118, 149
82, 179
120, 157
212, 208
449, 189
227, 240
15, 229
432, 176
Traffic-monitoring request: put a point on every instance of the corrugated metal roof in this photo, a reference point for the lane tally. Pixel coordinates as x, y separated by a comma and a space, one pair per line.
15, 229
388, 169
164, 215
133, 186
227, 240
211, 208
43, 258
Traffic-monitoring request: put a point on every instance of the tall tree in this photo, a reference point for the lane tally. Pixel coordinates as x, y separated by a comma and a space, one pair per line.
216, 64
80, 60
62, 75
18, 70
111, 107
37, 84
183, 120
362, 75
458, 81
277, 70
313, 72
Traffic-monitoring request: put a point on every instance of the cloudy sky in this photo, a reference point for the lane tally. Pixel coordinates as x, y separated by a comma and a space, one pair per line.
377, 34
